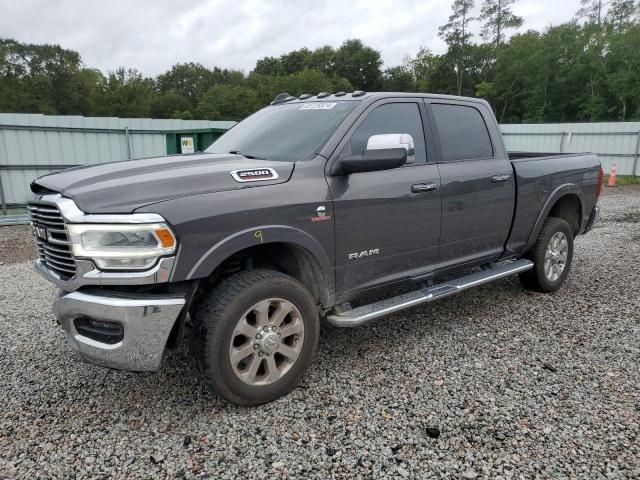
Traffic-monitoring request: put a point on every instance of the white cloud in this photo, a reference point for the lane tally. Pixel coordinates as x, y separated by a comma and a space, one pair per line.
152, 35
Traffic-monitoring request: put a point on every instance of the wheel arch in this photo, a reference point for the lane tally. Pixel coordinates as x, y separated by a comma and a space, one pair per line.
565, 202
290, 250
569, 208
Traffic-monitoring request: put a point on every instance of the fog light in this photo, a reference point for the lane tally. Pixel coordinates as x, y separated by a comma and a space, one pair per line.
103, 332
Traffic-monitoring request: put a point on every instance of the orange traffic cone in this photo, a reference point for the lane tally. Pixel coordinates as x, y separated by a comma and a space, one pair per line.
612, 176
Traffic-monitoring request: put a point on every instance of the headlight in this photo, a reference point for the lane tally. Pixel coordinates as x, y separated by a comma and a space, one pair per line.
122, 247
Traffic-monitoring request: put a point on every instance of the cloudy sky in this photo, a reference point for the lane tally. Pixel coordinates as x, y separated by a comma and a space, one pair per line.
152, 35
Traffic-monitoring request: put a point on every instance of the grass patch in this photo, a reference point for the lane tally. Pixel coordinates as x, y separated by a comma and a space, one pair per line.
624, 180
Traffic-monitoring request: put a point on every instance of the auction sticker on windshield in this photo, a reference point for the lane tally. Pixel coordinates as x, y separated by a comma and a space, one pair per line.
318, 106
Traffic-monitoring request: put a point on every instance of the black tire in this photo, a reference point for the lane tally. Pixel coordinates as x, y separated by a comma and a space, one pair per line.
536, 279
217, 316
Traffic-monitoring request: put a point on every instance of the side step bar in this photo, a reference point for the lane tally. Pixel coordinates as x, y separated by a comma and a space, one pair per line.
366, 313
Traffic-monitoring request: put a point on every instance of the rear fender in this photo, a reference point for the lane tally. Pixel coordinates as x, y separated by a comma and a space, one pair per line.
557, 194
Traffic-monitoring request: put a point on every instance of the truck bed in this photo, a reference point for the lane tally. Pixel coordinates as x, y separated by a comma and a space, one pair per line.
516, 156
541, 179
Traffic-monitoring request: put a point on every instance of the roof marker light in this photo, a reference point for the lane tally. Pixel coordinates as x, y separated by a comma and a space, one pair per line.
280, 98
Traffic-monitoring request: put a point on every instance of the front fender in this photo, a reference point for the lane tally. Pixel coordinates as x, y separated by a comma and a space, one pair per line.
251, 237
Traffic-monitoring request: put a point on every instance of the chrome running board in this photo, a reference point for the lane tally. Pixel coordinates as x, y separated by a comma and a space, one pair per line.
366, 313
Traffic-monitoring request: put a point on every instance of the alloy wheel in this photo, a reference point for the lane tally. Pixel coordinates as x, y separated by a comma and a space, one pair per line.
555, 257
266, 342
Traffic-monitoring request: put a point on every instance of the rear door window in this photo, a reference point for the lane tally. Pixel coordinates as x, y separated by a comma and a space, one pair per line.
462, 131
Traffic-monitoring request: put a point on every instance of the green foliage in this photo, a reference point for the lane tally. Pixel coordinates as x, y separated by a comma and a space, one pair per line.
188, 80
305, 81
39, 78
399, 79
622, 14
568, 73
498, 16
456, 30
592, 10
294, 61
125, 93
170, 105
426, 67
354, 61
584, 70
359, 64
322, 59
623, 72
228, 102
269, 66
456, 33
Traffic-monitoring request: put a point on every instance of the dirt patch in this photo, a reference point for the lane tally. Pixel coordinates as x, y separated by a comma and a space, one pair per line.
16, 244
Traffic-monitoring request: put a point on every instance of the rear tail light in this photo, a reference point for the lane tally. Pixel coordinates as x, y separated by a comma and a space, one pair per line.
600, 182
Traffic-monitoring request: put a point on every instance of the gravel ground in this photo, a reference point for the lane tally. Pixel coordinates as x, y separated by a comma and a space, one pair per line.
495, 383
16, 244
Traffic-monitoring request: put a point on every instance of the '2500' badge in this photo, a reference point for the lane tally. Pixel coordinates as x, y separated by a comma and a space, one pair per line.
256, 175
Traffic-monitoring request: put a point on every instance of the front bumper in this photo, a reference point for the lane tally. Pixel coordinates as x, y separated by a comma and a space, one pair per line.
146, 321
593, 219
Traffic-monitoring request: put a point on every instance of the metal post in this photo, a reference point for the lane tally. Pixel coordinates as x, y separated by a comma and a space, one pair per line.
2, 199
562, 141
635, 158
128, 140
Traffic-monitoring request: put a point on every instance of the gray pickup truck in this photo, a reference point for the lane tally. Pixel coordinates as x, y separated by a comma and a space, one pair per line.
336, 207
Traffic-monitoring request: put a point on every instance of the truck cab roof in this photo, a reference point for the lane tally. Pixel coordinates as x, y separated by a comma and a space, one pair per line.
360, 96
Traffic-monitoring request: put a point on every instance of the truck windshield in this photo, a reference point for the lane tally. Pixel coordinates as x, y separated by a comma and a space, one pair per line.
287, 132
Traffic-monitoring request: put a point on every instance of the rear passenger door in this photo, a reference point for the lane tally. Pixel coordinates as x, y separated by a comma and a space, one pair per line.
478, 191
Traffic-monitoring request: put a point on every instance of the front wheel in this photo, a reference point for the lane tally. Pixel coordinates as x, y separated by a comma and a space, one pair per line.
552, 255
255, 336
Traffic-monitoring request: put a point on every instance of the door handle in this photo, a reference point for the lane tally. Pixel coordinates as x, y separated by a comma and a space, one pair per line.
500, 178
424, 187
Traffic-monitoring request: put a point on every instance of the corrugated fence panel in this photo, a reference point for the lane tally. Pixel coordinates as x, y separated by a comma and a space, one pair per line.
147, 145
16, 183
32, 145
615, 143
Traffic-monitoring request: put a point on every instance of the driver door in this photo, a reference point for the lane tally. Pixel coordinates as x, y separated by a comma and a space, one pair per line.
387, 223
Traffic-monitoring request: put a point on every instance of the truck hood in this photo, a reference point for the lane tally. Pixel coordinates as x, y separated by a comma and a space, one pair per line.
122, 187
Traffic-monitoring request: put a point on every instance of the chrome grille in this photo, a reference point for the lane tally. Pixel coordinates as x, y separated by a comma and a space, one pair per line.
52, 241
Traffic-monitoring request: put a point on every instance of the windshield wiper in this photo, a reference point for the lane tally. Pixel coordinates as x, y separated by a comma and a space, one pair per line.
246, 155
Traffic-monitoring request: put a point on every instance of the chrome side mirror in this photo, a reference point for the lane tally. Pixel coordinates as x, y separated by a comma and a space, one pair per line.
393, 140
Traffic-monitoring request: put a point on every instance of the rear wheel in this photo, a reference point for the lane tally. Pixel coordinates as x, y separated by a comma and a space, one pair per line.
255, 336
552, 255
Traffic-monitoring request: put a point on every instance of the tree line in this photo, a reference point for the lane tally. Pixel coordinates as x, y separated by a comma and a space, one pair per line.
586, 69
